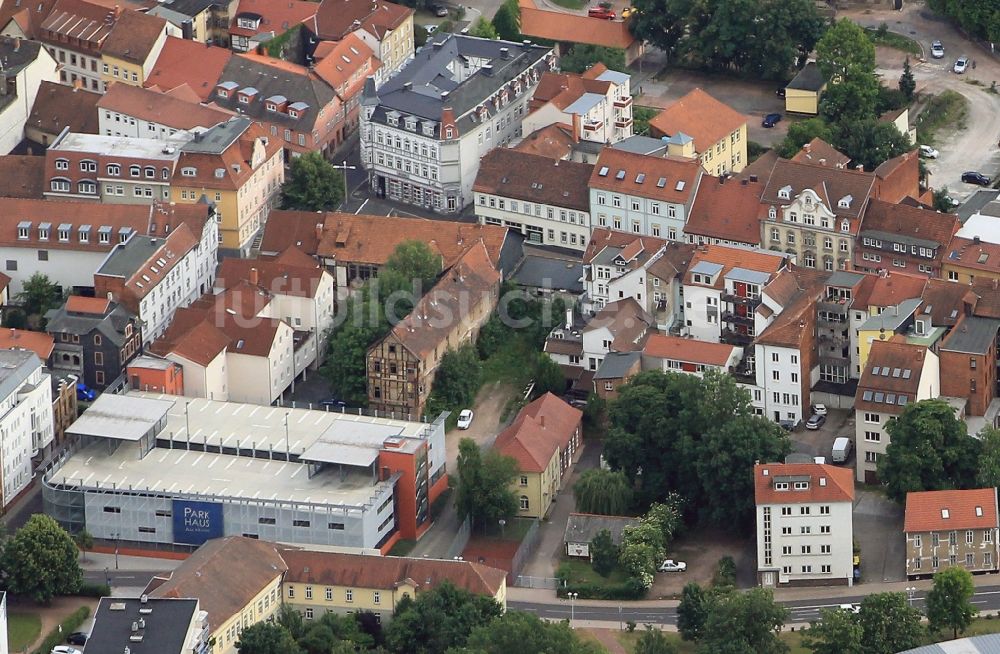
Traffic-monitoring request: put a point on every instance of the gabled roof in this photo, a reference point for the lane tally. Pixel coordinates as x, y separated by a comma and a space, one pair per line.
821, 153
808, 79
889, 289
347, 64
19, 339
946, 302
335, 19
790, 326
606, 245
571, 28
567, 91
825, 483
618, 365
143, 262
554, 141
534, 178
892, 371
162, 108
23, 175
276, 17
669, 179
832, 185
949, 510
539, 431
973, 253
81, 316
293, 273
133, 37
906, 224
627, 321
701, 117
582, 527
688, 350
728, 210
58, 106
728, 258
28, 16
173, 67
87, 22
972, 335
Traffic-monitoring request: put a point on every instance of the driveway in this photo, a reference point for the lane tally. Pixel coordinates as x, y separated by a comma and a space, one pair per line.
819, 442
878, 528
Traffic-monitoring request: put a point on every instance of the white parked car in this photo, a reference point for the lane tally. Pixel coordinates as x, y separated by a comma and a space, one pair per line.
819, 409
961, 65
851, 608
465, 418
65, 649
430, 28
937, 50
673, 566
928, 152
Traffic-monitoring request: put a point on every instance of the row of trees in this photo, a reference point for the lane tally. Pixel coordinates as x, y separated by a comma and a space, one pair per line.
701, 431
980, 19
759, 38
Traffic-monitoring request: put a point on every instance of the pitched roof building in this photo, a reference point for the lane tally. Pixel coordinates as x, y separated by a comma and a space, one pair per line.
135, 111
24, 177
905, 237
173, 69
95, 339
386, 27
726, 212
597, 104
934, 524
58, 107
256, 21
566, 29
701, 127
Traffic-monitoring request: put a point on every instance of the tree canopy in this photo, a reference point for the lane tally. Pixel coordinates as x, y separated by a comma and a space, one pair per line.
39, 295
603, 492
507, 21
692, 612
439, 619
949, 604
483, 490
743, 622
519, 631
582, 56
889, 624
456, 382
929, 449
870, 142
266, 638
312, 184
802, 132
40, 561
483, 29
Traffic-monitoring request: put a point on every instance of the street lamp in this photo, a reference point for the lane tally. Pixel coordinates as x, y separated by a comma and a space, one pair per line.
107, 576
344, 167
117, 540
572, 606
621, 624
503, 523
288, 448
910, 591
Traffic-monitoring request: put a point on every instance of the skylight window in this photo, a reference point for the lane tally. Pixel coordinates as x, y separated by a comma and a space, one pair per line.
640, 178
660, 183
680, 185
603, 172
620, 174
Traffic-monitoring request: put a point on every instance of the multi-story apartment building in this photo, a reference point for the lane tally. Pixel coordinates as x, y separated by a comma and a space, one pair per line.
128, 54
239, 169
687, 355
975, 248
172, 69
95, 339
805, 524
897, 374
153, 277
345, 67
951, 528
837, 321
401, 367
543, 199
424, 131
621, 326
643, 194
722, 290
597, 104
700, 127
257, 21
726, 213
968, 357
177, 626
26, 426
68, 241
26, 66
136, 112
814, 212
904, 237
112, 169
385, 27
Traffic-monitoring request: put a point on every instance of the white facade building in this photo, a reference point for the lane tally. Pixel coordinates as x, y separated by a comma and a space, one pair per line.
25, 66
805, 527
425, 129
597, 104
135, 112
25, 418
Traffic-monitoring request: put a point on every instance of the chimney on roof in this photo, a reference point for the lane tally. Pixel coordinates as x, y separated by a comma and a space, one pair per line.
505, 53
487, 70
254, 277
319, 231
722, 180
975, 239
753, 178
17, 44
576, 128
541, 420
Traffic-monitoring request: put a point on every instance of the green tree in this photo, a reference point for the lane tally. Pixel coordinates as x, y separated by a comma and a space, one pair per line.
870, 143
692, 612
483, 29
725, 573
836, 632
291, 619
346, 360
652, 641
603, 553
929, 449
483, 490
439, 619
643, 547
907, 85
266, 638
582, 56
549, 377
743, 622
40, 561
988, 469
414, 260
457, 380
519, 631
666, 516
313, 184
802, 132
84, 540
845, 51
506, 23
949, 603
603, 492
39, 295
849, 101
942, 201
889, 624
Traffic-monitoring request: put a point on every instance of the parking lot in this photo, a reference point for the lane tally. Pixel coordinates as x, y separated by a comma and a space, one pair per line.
819, 442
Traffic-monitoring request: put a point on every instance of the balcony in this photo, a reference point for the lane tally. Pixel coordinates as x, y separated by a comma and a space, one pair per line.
623, 123
622, 103
835, 359
834, 305
730, 316
735, 338
752, 300
592, 125
835, 339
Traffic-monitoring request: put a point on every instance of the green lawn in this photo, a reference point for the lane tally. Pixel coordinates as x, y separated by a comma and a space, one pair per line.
895, 40
581, 572
571, 4
945, 110
23, 629
403, 547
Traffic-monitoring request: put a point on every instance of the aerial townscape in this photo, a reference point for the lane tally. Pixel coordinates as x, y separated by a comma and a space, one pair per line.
540, 326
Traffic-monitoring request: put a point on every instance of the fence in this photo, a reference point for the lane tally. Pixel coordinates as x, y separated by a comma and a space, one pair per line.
550, 583
460, 540
524, 550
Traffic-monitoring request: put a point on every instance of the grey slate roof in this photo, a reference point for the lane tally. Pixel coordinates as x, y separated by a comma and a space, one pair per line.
892, 317
844, 279
111, 325
809, 78
417, 89
988, 644
269, 81
17, 54
15, 367
582, 527
218, 138
975, 202
641, 145
544, 272
617, 364
973, 335
165, 628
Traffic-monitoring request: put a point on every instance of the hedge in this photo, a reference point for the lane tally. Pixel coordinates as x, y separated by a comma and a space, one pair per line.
88, 589
69, 625
630, 589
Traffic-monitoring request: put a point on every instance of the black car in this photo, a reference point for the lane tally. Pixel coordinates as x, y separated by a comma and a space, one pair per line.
789, 425
780, 92
333, 403
770, 120
439, 10
77, 638
973, 177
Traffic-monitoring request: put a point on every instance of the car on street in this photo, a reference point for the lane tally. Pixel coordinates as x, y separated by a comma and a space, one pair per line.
771, 120
974, 177
601, 12
937, 50
65, 649
439, 10
673, 566
850, 608
465, 419
780, 92
819, 409
928, 152
77, 638
815, 422
961, 65
85, 393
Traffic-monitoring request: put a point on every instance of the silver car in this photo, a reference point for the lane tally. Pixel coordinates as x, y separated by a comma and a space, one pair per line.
937, 50
961, 65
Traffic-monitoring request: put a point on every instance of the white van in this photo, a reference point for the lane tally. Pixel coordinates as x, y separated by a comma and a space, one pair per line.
841, 449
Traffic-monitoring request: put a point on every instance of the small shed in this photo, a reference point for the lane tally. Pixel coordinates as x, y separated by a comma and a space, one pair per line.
582, 527
803, 92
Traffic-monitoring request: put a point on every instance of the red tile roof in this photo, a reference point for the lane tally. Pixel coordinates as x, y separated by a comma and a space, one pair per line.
162, 108
541, 429
19, 339
889, 289
133, 37
335, 19
173, 67
885, 358
826, 483
832, 185
679, 176
93, 305
688, 350
628, 323
572, 28
701, 117
906, 220
966, 509
86, 24
821, 153
554, 141
534, 178
23, 176
603, 237
792, 327
968, 253
58, 106
277, 17
563, 89
296, 278
730, 257
729, 211
346, 65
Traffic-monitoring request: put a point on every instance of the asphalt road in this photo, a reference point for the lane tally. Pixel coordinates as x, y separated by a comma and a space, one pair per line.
122, 578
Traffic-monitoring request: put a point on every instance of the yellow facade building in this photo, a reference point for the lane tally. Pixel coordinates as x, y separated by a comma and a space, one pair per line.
131, 50
803, 93
700, 127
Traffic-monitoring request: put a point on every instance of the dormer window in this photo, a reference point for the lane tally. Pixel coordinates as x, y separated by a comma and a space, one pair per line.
428, 129
772, 213
226, 89
165, 173
411, 124
785, 192
104, 234
297, 109
43, 231
449, 132
64, 230
114, 170
293, 114
220, 173
392, 119
88, 166
149, 172
845, 202
62, 164
189, 171
248, 21
84, 233
801, 485
134, 171
60, 184
24, 230
781, 485
270, 106
87, 187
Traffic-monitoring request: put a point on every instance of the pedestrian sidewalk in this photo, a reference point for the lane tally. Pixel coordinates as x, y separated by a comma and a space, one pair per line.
95, 561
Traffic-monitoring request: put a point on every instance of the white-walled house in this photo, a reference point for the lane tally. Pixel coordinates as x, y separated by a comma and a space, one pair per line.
621, 326
25, 418
597, 104
26, 64
126, 110
805, 524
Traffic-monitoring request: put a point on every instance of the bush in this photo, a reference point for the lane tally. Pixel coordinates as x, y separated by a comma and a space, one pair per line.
725, 573
88, 589
69, 625
630, 589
